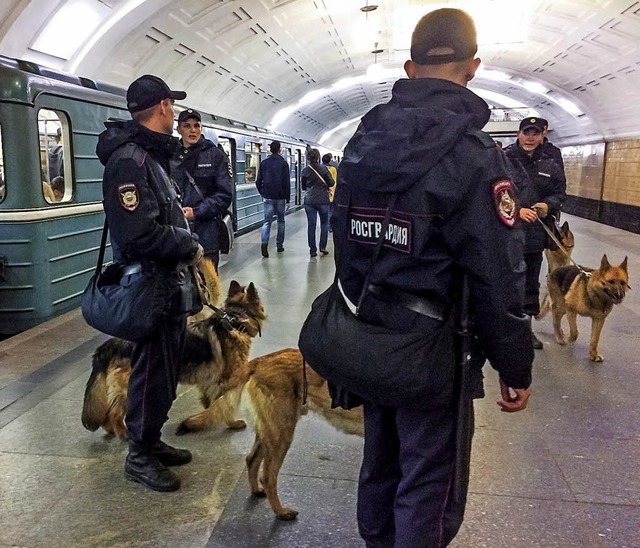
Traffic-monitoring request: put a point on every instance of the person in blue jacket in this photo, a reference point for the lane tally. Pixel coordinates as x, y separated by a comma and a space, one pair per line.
274, 185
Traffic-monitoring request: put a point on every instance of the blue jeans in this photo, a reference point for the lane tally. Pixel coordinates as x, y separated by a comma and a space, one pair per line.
312, 212
271, 208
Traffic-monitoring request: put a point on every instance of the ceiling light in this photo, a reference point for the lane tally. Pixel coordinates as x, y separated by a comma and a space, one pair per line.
367, 8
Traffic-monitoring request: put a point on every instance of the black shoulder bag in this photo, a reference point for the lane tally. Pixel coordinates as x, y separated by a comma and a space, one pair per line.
125, 301
387, 366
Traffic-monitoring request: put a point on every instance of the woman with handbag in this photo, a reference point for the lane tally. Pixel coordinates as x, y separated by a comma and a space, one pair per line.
316, 182
202, 172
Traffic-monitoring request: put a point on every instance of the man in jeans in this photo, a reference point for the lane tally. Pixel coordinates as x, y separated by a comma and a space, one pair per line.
274, 186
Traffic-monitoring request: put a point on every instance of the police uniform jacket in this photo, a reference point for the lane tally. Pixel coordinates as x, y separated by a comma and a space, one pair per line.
316, 180
209, 191
539, 179
146, 222
455, 213
273, 180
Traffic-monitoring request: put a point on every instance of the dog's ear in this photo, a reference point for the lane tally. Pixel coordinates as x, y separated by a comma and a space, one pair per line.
565, 228
623, 265
234, 288
604, 264
252, 292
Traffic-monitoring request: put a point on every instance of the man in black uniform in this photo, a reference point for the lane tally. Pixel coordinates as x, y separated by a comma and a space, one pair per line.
204, 178
149, 231
456, 210
542, 191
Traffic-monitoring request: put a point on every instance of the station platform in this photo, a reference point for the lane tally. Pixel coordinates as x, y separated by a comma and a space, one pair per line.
562, 473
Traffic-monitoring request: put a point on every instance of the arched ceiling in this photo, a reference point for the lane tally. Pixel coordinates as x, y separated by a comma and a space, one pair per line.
301, 65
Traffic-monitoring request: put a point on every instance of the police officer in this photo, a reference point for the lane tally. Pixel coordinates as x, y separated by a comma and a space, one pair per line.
149, 231
542, 191
204, 177
456, 202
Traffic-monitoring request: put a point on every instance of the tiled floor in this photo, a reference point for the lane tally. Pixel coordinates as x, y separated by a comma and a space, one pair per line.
563, 473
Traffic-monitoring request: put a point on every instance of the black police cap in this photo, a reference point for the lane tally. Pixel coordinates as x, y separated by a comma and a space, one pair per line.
149, 90
538, 123
189, 113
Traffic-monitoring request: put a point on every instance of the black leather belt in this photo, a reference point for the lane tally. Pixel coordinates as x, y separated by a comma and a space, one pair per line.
132, 268
420, 305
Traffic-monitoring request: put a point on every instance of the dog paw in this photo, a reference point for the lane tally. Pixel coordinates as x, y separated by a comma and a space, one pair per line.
560, 340
595, 357
238, 424
287, 514
573, 337
259, 493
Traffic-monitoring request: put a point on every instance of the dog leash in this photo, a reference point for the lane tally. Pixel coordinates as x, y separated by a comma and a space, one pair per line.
561, 247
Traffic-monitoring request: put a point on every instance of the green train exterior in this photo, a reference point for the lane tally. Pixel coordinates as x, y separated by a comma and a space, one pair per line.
49, 241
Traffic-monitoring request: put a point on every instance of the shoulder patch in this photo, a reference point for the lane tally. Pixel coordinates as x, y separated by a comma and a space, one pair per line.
128, 194
504, 201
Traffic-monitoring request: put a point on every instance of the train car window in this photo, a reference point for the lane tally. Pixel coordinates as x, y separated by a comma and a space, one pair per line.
55, 157
252, 161
3, 184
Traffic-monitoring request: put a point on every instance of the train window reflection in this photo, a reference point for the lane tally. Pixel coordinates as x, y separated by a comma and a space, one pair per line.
55, 158
3, 184
252, 161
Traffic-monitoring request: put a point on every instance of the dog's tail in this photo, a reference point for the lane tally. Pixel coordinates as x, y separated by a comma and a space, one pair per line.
211, 281
545, 307
96, 405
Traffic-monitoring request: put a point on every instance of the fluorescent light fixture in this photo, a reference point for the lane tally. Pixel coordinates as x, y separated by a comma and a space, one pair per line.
535, 87
343, 125
493, 75
70, 27
121, 13
569, 106
493, 97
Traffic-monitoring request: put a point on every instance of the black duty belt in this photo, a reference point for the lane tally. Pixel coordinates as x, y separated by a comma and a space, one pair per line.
420, 305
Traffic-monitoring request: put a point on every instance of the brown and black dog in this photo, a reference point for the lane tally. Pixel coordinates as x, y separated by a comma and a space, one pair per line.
212, 356
586, 292
274, 388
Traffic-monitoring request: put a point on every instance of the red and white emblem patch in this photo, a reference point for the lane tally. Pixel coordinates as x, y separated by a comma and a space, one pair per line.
128, 196
504, 200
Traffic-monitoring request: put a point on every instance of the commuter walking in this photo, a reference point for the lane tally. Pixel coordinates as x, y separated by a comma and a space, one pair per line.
274, 185
317, 182
149, 232
203, 175
454, 218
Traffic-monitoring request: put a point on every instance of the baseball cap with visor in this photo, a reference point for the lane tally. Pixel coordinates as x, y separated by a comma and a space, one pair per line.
149, 90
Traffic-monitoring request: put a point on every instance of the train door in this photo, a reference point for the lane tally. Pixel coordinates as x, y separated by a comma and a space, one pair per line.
229, 147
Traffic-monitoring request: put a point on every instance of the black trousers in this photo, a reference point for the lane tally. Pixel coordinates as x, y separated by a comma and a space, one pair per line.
154, 378
413, 486
533, 261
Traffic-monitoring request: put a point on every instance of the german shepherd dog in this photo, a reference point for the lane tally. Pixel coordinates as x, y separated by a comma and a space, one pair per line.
214, 351
589, 293
274, 390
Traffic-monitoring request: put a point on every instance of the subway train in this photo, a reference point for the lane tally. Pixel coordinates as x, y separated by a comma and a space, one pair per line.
51, 214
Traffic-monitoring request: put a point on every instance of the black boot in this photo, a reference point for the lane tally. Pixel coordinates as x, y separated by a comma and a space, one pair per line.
144, 467
264, 249
535, 341
170, 456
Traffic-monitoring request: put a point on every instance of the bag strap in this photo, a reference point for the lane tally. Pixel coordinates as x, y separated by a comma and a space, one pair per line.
193, 183
103, 244
320, 176
377, 249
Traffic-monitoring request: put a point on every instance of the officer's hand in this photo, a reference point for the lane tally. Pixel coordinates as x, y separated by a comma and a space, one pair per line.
528, 215
188, 213
513, 399
541, 209
198, 256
